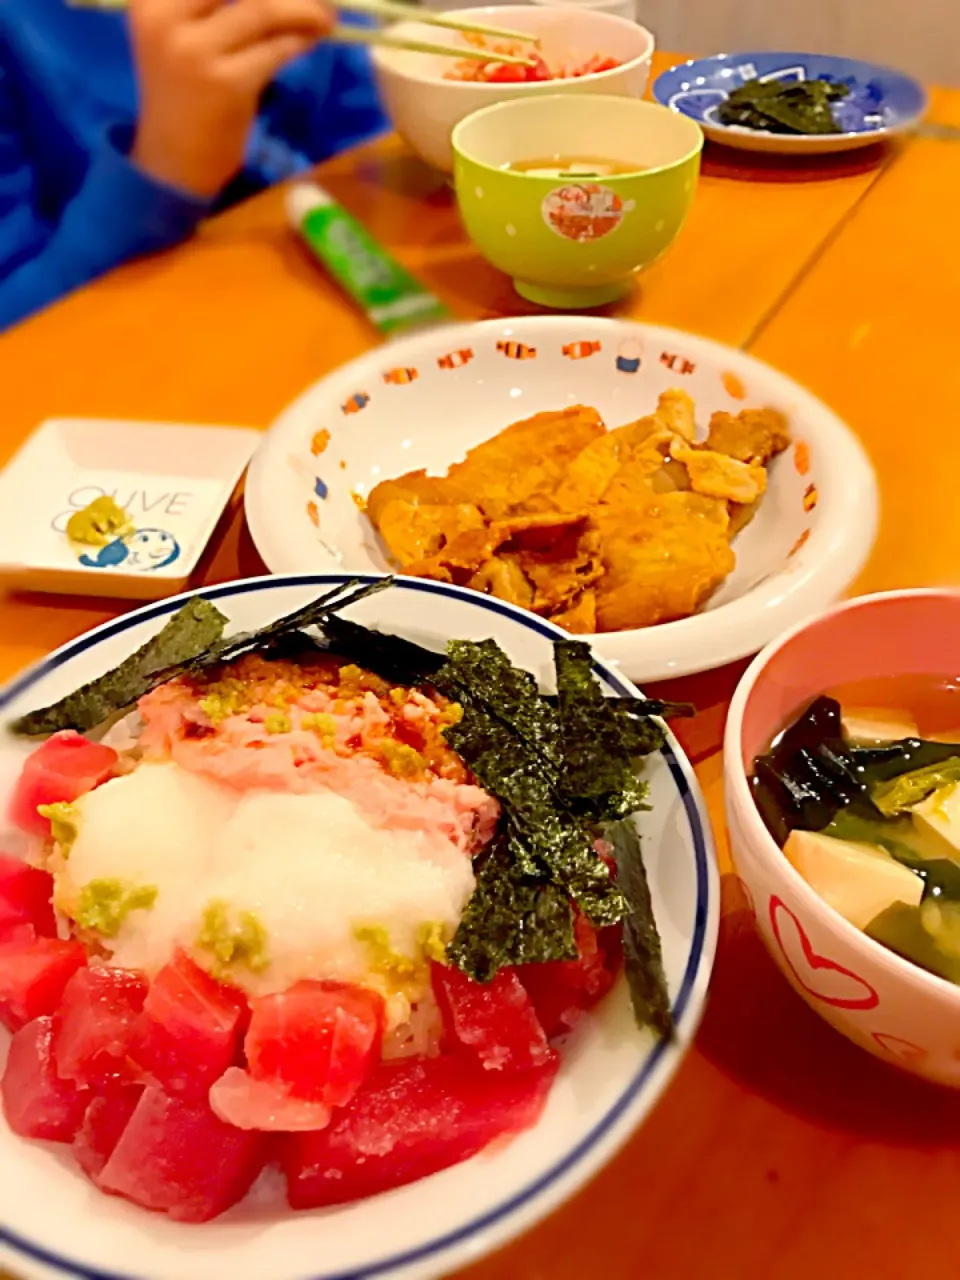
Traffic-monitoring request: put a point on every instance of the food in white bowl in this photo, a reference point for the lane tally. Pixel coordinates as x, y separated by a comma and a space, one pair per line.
842, 760
428, 399
599, 530
496, 71
277, 885
426, 95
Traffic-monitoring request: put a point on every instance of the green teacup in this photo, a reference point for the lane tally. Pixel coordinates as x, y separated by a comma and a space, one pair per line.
575, 241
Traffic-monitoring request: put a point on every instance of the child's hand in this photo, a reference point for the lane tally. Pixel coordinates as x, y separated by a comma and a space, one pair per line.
203, 65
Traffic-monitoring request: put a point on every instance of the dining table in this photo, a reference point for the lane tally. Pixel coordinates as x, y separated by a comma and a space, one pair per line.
779, 1151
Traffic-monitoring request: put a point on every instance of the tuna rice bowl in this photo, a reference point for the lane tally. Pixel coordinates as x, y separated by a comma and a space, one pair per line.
318, 899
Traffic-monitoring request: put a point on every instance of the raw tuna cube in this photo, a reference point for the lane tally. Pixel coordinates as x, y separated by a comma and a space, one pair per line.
26, 897
494, 1023
66, 767
562, 989
94, 1027
176, 1157
240, 1100
105, 1120
320, 1039
191, 1028
411, 1119
33, 974
36, 1102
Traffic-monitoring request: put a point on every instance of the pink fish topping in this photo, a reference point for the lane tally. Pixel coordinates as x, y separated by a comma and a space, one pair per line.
296, 727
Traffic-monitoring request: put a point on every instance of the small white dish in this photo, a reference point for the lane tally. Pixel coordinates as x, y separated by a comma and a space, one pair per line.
173, 481
53, 1221
423, 401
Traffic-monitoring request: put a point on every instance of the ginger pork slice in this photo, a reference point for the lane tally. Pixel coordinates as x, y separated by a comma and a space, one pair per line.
716, 475
675, 413
562, 569
661, 561
413, 533
415, 488
590, 474
526, 460
502, 576
581, 617
459, 559
754, 436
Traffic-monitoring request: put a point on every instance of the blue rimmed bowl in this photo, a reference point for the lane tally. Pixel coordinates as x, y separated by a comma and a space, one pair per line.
54, 1223
882, 102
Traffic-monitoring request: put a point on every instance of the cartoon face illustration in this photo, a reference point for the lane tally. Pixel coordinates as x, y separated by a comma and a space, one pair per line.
144, 551
151, 549
629, 355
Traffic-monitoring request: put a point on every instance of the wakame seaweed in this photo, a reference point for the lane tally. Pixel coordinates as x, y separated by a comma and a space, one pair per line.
190, 632
811, 773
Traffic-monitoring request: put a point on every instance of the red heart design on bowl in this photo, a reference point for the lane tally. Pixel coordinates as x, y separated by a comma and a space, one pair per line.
818, 975
905, 1050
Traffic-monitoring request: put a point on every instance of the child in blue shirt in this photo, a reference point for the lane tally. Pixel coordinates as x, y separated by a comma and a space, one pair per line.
118, 133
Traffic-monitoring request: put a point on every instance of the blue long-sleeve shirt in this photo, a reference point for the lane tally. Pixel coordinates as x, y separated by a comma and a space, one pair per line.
72, 205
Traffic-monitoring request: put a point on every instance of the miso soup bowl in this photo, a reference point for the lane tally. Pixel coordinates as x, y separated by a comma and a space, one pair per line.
883, 1003
577, 242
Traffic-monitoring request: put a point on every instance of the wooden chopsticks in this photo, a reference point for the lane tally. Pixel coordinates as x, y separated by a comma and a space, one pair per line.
394, 11
384, 40
397, 10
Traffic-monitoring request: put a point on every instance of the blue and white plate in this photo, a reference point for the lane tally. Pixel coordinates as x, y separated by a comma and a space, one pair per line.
55, 1225
882, 102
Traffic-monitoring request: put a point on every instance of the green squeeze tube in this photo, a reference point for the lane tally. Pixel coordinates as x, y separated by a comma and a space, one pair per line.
390, 297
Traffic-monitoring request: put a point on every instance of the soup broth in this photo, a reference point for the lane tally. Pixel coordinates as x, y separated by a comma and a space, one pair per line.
932, 703
560, 166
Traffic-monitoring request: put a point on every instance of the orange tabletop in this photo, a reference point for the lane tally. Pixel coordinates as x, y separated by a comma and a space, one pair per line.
780, 1151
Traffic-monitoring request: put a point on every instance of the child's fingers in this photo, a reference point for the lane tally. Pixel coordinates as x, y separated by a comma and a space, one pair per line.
163, 12
245, 23
259, 63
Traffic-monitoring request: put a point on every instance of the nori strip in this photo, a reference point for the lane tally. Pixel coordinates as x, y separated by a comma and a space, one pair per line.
545, 838
511, 919
486, 673
641, 707
642, 954
193, 629
191, 641
598, 776
314, 614
784, 106
391, 657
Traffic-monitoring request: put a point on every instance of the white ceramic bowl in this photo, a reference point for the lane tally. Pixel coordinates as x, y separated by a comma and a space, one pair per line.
891, 1007
53, 1223
425, 107
401, 407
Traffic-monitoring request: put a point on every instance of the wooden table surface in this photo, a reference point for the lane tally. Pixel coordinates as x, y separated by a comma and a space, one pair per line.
780, 1151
